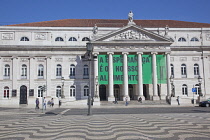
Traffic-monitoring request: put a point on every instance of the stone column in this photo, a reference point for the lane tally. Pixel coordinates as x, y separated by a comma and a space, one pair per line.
47, 75
125, 76
2, 70
15, 71
140, 77
168, 75
154, 79
111, 80
96, 83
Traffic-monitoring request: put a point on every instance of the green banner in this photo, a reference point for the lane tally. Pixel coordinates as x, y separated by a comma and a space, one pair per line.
132, 69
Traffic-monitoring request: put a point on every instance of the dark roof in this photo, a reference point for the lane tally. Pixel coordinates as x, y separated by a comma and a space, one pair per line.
114, 23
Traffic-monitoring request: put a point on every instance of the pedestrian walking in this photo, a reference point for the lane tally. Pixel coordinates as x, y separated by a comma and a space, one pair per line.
52, 102
37, 103
59, 103
126, 101
178, 100
44, 103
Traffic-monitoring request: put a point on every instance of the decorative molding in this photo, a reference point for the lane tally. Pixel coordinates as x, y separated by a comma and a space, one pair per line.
172, 59
7, 36
195, 58
40, 36
72, 59
6, 59
208, 37
183, 59
23, 59
40, 59
132, 47
58, 59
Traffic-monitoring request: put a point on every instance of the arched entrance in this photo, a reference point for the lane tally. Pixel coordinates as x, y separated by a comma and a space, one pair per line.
131, 95
23, 95
102, 92
117, 92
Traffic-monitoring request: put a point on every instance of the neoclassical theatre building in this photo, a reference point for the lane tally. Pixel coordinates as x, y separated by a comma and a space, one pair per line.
70, 58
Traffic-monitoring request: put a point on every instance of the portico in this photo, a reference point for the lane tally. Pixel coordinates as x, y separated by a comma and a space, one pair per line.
132, 62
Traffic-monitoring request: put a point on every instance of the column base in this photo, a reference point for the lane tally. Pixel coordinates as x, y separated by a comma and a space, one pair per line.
111, 98
163, 97
155, 98
142, 97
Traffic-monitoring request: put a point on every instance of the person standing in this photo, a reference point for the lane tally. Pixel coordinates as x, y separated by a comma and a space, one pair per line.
37, 103
126, 101
52, 102
45, 103
178, 100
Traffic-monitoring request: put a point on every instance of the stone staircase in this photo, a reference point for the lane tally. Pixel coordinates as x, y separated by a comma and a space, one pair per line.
146, 102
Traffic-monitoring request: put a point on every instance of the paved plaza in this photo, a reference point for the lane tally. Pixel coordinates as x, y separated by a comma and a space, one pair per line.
62, 124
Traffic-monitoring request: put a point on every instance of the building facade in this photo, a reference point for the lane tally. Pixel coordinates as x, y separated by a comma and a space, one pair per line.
151, 59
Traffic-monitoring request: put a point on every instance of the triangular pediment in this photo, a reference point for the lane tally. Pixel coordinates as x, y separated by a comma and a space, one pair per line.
132, 33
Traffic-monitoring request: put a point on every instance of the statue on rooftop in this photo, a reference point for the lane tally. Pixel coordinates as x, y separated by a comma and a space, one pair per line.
95, 29
130, 16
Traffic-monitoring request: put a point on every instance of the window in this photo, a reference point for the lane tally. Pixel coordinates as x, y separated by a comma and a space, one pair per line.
197, 89
58, 91
41, 71
183, 71
86, 90
24, 39
194, 39
85, 39
72, 91
86, 73
181, 39
184, 89
24, 72
6, 71
72, 39
6, 92
196, 70
40, 91
58, 71
172, 70
59, 39
72, 71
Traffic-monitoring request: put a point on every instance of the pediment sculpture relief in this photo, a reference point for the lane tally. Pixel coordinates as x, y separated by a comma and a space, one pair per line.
130, 35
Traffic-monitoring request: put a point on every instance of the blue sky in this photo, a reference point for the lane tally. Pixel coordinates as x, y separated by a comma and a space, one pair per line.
26, 11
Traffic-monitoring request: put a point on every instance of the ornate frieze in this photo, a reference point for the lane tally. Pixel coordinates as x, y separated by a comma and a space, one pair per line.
72, 59
40, 36
23, 59
7, 36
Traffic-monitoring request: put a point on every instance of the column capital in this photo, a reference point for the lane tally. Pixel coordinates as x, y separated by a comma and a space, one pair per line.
154, 53
167, 52
139, 53
110, 52
125, 52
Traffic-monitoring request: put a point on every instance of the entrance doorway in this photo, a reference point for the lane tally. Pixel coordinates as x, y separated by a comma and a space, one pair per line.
131, 92
23, 95
102, 92
117, 92
145, 91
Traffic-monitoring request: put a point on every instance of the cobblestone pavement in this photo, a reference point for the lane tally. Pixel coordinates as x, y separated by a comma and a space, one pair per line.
31, 125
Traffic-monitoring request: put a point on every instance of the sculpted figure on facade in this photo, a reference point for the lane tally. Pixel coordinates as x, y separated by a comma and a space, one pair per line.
130, 16
166, 30
95, 29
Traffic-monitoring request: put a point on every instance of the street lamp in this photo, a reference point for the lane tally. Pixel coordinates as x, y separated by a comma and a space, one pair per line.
62, 80
200, 81
172, 85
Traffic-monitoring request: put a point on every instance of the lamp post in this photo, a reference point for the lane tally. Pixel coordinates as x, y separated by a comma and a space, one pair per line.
96, 83
199, 81
172, 85
62, 94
